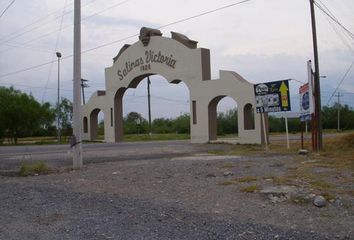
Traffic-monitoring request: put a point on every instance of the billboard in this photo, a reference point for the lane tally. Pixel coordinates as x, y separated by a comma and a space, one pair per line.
272, 96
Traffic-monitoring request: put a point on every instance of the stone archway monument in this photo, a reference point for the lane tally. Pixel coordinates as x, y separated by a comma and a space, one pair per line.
176, 59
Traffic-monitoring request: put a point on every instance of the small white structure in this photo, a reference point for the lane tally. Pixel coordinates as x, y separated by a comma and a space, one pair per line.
176, 59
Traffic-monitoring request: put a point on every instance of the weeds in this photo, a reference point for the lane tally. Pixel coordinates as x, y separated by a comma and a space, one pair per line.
250, 189
227, 166
246, 179
226, 183
34, 168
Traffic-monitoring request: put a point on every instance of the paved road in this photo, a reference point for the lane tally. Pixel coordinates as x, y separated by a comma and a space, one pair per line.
11, 157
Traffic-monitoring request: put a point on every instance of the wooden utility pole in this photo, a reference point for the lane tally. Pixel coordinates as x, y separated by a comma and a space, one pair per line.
77, 126
58, 102
149, 104
317, 89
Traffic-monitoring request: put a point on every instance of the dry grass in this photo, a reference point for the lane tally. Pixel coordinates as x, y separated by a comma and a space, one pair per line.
338, 152
245, 179
34, 168
250, 189
315, 171
227, 166
226, 183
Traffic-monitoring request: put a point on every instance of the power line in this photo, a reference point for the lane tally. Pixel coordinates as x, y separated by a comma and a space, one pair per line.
55, 50
11, 37
340, 36
26, 69
3, 12
341, 81
204, 13
30, 24
331, 16
337, 29
124, 38
65, 27
29, 86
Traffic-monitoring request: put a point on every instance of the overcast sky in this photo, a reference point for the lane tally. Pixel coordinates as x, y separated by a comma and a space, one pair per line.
262, 40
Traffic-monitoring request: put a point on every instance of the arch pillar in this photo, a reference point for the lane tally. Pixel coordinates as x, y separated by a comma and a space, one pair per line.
94, 124
118, 115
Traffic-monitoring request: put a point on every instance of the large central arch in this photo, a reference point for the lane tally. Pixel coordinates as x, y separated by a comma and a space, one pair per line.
176, 59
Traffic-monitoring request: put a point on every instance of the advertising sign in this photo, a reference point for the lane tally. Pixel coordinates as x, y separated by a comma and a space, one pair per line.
272, 96
306, 96
306, 103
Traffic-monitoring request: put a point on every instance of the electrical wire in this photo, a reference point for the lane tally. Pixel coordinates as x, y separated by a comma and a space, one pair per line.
340, 83
67, 26
344, 41
204, 13
20, 32
334, 19
30, 86
3, 12
55, 50
349, 38
123, 39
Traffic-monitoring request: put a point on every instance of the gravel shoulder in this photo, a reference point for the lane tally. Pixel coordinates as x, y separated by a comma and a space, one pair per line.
189, 196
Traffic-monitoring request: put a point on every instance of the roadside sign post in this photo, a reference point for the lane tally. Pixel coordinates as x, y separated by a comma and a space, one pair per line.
287, 131
306, 110
265, 138
272, 97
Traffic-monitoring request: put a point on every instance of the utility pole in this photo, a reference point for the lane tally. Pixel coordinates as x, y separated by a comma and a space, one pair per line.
149, 105
317, 89
338, 111
58, 106
77, 126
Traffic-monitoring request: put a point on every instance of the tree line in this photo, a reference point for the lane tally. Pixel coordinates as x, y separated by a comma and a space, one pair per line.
21, 115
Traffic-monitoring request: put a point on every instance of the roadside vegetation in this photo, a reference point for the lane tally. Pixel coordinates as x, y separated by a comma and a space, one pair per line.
23, 120
30, 169
329, 173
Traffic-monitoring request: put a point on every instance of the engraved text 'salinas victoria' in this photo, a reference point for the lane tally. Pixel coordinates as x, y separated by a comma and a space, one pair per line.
144, 62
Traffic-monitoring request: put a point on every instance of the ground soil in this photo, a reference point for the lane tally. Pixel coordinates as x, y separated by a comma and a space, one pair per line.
199, 196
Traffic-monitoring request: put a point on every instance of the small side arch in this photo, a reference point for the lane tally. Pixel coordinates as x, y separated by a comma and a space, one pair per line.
94, 124
85, 125
248, 117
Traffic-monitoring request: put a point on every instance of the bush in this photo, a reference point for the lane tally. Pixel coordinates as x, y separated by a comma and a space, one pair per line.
34, 168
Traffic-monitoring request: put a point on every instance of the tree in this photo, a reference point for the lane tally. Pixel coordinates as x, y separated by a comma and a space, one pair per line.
227, 122
330, 117
135, 123
21, 115
66, 117
181, 124
162, 125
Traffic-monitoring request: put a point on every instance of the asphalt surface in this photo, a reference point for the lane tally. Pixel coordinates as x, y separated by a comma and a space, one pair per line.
11, 157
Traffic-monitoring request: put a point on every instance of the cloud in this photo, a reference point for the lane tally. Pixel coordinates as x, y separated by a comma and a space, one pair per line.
108, 21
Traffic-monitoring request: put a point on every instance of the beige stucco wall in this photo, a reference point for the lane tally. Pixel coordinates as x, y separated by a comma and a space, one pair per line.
188, 67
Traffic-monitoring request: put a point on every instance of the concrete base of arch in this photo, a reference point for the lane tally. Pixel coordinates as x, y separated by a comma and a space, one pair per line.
176, 61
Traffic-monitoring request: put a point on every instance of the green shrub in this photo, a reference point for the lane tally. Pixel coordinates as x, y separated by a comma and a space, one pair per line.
34, 168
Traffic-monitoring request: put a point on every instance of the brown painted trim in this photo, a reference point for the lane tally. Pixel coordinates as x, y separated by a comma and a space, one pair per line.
111, 117
194, 111
179, 37
206, 72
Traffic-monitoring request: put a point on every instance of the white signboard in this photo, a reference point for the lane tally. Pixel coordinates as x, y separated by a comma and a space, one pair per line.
306, 102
